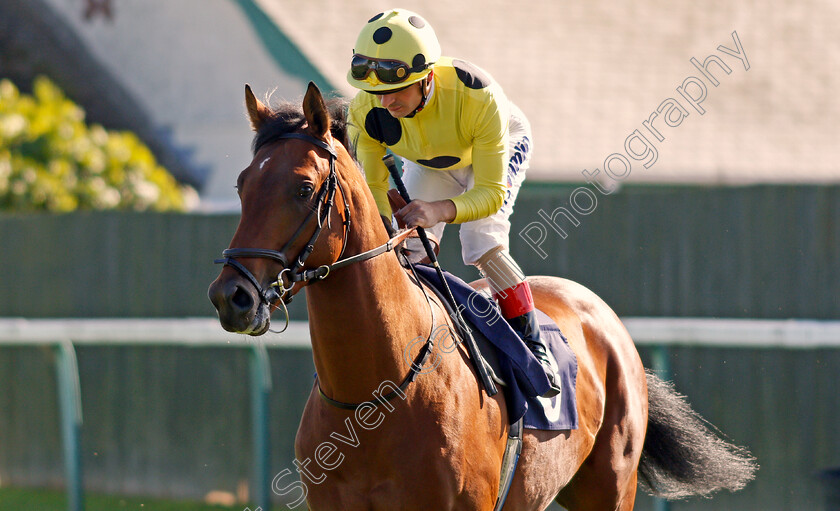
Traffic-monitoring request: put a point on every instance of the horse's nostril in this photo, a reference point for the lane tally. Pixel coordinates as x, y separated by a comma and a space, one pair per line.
242, 299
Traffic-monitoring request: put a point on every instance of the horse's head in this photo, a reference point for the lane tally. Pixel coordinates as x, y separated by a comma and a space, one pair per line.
297, 199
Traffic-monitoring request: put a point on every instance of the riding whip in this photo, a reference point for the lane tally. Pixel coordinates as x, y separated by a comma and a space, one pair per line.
484, 376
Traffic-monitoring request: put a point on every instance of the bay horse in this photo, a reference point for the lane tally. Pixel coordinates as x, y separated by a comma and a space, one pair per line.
438, 445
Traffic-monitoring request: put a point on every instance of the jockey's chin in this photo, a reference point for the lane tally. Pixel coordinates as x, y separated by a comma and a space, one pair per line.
402, 102
398, 111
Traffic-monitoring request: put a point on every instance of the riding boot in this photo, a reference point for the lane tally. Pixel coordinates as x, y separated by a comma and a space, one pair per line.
517, 307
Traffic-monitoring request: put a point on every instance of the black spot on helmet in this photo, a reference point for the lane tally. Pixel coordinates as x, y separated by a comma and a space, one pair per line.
382, 35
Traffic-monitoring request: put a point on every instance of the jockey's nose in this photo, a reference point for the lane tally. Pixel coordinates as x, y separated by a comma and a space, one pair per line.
386, 100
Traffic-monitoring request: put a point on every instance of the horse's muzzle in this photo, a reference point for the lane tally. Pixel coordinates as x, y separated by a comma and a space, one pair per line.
238, 305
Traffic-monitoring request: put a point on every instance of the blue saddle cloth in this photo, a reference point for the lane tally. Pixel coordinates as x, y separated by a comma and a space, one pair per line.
525, 376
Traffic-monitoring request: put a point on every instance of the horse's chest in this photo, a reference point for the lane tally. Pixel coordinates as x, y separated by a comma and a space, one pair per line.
346, 465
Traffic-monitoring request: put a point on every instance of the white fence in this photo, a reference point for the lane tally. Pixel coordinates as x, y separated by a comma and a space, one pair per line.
64, 334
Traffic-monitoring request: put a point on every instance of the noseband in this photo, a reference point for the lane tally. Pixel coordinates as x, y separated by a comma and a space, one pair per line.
297, 273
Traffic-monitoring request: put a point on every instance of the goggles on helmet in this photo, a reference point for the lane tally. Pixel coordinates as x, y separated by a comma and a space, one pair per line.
387, 70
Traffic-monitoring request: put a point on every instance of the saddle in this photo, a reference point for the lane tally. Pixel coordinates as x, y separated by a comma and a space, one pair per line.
509, 362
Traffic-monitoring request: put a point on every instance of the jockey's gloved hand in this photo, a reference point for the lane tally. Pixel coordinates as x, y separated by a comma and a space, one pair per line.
388, 226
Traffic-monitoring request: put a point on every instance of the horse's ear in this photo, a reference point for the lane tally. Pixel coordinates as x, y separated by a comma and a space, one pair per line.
258, 113
315, 111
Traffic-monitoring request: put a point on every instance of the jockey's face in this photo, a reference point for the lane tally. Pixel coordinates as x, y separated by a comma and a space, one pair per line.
402, 102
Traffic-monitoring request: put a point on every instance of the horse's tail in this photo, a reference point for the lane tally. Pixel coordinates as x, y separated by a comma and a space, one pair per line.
682, 456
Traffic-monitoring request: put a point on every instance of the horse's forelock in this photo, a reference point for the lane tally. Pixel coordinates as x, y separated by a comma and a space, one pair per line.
338, 116
288, 117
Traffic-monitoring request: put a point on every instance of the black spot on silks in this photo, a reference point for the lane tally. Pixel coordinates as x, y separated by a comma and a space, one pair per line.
376, 17
382, 126
472, 76
440, 162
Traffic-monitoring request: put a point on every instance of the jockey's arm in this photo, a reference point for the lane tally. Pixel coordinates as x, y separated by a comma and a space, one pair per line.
489, 162
483, 200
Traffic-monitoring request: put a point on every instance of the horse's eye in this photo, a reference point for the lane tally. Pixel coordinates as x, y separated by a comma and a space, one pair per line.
305, 190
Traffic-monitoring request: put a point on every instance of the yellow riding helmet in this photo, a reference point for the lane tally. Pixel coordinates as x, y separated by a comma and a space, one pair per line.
396, 35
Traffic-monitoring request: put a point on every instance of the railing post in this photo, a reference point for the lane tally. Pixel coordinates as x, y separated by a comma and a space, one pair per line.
260, 417
70, 406
663, 367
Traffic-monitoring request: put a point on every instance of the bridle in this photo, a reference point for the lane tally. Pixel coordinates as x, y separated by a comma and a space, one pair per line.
298, 273
295, 274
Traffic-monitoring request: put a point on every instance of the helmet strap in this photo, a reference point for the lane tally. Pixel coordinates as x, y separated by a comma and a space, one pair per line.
424, 84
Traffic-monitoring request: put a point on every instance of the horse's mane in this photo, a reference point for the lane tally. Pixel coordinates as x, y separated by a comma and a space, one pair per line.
288, 117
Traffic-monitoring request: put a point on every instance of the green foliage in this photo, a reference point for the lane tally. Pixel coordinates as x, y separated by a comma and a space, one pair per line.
51, 160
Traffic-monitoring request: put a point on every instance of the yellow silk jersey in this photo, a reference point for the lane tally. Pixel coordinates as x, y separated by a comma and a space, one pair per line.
464, 122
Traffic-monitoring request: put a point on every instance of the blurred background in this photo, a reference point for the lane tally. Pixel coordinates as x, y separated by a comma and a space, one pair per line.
122, 132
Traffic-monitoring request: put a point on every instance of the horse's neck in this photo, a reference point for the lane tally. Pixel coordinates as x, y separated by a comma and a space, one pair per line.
362, 318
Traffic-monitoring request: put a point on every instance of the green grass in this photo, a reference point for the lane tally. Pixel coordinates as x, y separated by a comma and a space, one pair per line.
28, 499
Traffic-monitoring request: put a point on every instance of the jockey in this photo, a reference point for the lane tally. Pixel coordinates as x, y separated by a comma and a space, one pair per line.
465, 149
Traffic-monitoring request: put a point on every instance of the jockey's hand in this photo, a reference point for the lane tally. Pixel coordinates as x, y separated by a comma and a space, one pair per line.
424, 214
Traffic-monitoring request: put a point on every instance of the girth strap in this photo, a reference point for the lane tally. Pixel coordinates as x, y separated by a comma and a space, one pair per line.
416, 367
